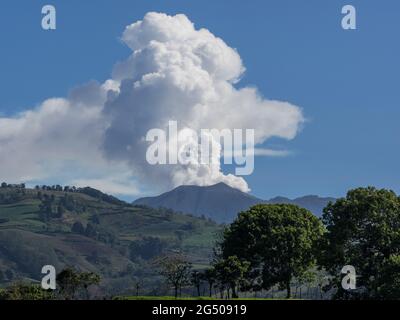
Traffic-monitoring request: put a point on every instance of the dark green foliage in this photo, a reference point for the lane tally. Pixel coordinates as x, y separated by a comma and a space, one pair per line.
277, 240
23, 291
71, 283
230, 271
364, 231
19, 186
210, 276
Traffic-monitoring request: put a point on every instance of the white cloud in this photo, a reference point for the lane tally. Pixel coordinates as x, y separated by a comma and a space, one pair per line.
175, 72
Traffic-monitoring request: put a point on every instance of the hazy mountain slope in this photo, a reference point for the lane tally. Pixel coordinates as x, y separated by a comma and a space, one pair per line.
221, 202
94, 232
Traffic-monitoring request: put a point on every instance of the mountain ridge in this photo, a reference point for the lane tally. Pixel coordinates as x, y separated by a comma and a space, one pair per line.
221, 202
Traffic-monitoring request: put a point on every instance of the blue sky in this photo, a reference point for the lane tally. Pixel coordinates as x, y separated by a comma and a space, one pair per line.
346, 82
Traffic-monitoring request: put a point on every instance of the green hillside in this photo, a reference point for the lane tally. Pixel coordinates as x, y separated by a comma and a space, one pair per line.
91, 231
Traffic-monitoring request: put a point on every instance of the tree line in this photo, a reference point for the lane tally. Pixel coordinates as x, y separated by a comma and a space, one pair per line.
71, 285
273, 244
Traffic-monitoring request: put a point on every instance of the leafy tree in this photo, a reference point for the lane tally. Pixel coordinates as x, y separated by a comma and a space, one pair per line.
363, 230
70, 282
196, 281
210, 276
230, 271
87, 279
176, 269
278, 240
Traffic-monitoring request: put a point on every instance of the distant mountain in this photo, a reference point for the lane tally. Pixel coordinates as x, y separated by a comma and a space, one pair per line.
313, 203
221, 202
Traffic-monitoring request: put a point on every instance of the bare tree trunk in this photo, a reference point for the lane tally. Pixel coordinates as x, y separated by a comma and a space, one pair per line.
288, 290
234, 293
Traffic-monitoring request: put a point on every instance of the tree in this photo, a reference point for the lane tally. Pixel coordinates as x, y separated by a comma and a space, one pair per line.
278, 240
70, 282
230, 271
363, 230
176, 269
196, 281
87, 279
209, 275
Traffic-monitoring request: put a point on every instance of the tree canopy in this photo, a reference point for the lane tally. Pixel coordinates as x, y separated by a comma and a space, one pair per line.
363, 230
277, 240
